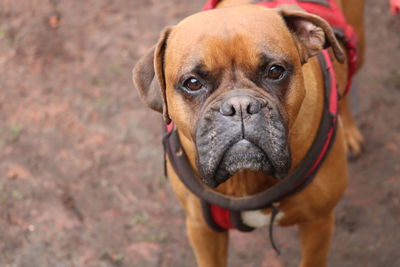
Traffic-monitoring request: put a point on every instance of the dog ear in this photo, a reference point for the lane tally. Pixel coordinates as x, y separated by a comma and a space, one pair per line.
148, 77
313, 32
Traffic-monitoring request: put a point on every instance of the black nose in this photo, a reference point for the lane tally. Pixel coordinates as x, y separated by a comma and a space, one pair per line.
240, 106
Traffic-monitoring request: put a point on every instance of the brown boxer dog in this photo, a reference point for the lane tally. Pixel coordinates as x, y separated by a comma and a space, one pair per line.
245, 92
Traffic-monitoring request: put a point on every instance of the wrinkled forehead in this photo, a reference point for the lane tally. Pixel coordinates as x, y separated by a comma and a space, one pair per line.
222, 37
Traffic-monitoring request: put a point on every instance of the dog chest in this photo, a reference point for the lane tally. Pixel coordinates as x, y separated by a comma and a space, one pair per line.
257, 218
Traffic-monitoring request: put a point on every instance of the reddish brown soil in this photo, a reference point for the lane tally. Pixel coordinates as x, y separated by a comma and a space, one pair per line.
81, 180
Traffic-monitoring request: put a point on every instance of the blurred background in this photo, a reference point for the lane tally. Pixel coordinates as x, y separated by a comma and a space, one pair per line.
81, 178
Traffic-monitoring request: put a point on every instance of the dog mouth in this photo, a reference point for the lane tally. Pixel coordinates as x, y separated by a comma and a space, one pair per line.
218, 163
241, 155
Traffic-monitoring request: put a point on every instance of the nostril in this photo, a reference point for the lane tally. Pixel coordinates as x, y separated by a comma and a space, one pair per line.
253, 107
227, 109
249, 109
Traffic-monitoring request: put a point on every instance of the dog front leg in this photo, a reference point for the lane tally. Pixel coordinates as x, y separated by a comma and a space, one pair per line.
210, 248
315, 240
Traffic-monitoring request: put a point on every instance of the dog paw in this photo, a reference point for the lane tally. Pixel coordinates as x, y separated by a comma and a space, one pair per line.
354, 141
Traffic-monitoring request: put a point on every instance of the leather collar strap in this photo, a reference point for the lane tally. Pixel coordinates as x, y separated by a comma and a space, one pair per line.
295, 181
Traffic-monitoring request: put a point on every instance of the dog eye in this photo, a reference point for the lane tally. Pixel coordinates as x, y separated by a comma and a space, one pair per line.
193, 84
275, 72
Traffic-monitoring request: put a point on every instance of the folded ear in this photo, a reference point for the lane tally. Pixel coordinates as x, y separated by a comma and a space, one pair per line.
148, 76
313, 32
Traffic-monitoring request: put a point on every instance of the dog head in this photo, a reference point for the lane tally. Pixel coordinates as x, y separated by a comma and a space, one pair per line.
231, 80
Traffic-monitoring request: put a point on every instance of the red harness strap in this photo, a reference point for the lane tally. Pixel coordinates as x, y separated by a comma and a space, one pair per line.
328, 10
221, 216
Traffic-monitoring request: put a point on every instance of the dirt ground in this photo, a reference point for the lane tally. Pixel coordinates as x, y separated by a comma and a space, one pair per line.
81, 179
